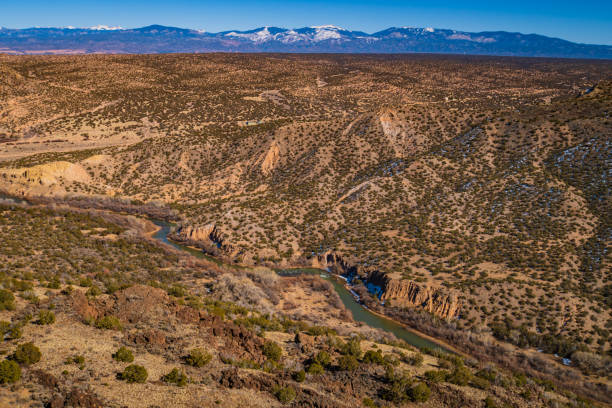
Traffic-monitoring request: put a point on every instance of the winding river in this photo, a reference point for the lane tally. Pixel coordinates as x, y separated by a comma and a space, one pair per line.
360, 313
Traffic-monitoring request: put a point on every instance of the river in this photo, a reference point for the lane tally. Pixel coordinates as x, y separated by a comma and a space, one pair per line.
360, 313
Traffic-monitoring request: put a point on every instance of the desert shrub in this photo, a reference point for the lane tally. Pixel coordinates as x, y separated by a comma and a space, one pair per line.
445, 364
175, 377
481, 383
7, 300
284, 394
348, 363
319, 330
299, 376
520, 379
323, 358
177, 291
198, 358
373, 357
368, 402
461, 376
14, 332
415, 359
124, 355
272, 351
46, 317
108, 323
352, 348
10, 372
398, 388
78, 360
93, 291
488, 374
134, 374
315, 369
435, 376
419, 393
27, 354
490, 403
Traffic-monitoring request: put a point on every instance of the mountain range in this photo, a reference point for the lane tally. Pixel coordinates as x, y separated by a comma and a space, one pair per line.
317, 39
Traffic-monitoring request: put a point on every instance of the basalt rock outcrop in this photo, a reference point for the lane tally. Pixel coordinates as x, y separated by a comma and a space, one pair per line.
395, 292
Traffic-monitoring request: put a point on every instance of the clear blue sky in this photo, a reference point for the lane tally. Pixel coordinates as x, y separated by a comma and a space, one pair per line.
588, 21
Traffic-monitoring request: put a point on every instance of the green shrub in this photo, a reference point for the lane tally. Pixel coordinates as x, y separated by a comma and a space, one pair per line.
175, 377
419, 393
14, 332
27, 354
315, 369
198, 358
93, 291
487, 374
7, 300
10, 372
46, 317
435, 376
352, 348
323, 358
348, 363
284, 394
108, 323
134, 374
272, 351
124, 355
398, 389
177, 291
490, 403
481, 383
415, 359
461, 375
79, 360
299, 376
373, 357
368, 402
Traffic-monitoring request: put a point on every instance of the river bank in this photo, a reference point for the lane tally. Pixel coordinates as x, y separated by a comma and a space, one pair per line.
159, 230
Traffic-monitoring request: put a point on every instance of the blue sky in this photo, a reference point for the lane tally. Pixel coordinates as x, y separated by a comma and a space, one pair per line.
580, 21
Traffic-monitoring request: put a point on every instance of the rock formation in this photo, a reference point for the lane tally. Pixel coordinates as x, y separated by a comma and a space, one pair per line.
43, 178
396, 292
408, 293
271, 159
207, 237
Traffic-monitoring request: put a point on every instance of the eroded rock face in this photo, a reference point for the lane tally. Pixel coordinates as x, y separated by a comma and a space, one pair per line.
398, 292
43, 178
207, 237
270, 160
434, 300
201, 233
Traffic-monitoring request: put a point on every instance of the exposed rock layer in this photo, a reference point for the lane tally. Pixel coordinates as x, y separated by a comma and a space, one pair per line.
397, 292
207, 237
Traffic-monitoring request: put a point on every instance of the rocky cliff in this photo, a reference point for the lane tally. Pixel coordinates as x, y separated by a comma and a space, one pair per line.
395, 292
406, 293
207, 237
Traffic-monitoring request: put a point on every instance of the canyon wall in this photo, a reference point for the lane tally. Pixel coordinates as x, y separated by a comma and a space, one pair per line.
395, 292
207, 237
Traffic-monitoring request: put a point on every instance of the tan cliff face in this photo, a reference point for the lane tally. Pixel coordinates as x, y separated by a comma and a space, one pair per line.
395, 292
46, 178
408, 293
207, 237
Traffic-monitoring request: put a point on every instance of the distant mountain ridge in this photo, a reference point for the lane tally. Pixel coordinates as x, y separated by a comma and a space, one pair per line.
316, 39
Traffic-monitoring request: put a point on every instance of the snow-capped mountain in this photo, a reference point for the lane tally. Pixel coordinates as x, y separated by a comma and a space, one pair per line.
324, 38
